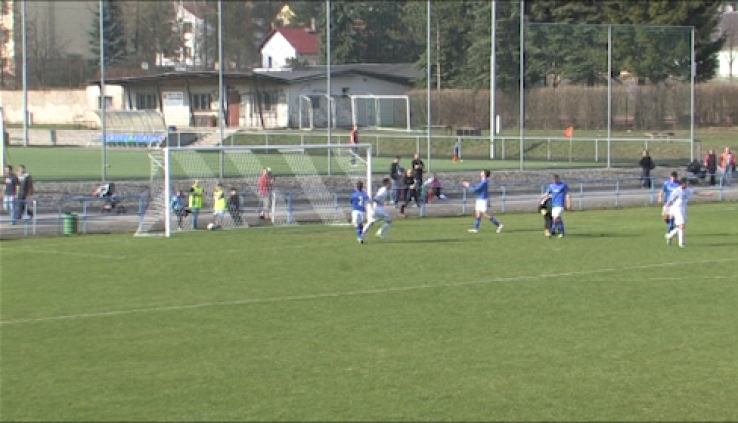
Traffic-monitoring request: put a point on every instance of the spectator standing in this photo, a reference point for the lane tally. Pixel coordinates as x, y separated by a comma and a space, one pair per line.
219, 206
410, 191
10, 182
234, 207
266, 186
24, 193
353, 140
457, 152
196, 197
646, 164
418, 167
727, 165
394, 174
711, 165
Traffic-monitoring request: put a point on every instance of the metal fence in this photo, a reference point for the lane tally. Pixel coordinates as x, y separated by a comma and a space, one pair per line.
50, 215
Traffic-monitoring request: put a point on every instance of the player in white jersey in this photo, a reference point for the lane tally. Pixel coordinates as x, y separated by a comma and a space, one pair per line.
377, 212
677, 206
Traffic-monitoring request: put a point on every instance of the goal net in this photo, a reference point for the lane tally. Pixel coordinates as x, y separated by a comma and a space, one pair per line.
388, 112
242, 187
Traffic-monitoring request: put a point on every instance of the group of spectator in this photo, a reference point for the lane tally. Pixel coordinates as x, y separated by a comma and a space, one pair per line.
408, 184
221, 204
18, 188
725, 164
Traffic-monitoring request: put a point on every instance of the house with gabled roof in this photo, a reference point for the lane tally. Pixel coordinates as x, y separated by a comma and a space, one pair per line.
283, 44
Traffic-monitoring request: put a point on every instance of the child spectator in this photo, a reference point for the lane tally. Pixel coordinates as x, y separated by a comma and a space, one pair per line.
234, 207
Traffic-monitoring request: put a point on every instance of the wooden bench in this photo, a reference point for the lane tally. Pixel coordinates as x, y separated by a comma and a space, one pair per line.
445, 128
660, 135
468, 131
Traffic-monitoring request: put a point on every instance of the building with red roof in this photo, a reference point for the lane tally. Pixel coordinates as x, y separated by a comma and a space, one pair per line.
284, 44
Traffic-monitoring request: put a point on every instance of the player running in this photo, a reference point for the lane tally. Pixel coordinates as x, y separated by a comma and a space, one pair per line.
359, 202
664, 196
482, 205
377, 212
677, 205
560, 201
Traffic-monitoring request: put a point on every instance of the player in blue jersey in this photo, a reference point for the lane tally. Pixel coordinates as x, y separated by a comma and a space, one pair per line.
482, 205
560, 200
359, 201
664, 196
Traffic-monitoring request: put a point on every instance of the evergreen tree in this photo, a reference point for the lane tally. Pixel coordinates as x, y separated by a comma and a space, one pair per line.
452, 24
345, 40
654, 54
113, 37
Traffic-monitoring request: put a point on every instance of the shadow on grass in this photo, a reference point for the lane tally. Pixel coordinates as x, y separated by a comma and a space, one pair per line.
437, 240
608, 235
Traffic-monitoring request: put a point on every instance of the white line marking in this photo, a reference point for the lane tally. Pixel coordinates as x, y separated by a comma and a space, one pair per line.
348, 293
67, 253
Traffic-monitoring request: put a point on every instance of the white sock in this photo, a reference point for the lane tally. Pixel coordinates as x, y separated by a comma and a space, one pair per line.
384, 229
366, 229
673, 232
681, 236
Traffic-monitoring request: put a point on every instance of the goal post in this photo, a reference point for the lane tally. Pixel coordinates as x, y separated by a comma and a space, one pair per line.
381, 112
310, 184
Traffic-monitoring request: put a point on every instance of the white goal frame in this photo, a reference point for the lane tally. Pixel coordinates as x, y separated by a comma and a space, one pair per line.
343, 158
311, 111
377, 98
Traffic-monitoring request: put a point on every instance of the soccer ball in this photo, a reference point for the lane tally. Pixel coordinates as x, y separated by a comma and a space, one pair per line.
211, 226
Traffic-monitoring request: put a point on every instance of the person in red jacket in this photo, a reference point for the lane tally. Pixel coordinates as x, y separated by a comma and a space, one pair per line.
711, 165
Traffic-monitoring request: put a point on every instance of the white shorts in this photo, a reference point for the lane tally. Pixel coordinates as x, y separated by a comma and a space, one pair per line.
8, 201
380, 214
680, 216
357, 217
481, 206
557, 212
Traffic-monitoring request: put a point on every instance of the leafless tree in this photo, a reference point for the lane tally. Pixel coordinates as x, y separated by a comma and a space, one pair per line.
47, 64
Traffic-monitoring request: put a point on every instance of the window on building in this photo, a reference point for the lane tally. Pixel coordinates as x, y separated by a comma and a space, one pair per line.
187, 28
108, 102
145, 101
269, 62
268, 101
201, 101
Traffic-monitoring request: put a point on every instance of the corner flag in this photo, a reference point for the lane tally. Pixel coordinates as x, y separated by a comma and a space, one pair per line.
569, 132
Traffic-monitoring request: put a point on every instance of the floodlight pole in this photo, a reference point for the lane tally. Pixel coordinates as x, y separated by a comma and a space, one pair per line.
103, 128
328, 77
609, 92
221, 93
428, 80
493, 80
522, 84
693, 75
25, 74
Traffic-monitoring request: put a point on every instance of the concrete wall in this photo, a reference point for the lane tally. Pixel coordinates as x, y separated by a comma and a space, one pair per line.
57, 107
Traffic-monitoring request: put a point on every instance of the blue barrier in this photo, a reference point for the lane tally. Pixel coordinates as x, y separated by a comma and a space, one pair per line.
133, 140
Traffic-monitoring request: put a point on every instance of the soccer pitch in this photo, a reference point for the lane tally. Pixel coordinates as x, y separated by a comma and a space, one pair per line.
304, 324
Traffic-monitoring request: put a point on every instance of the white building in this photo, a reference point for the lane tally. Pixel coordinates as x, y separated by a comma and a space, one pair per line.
283, 44
196, 33
260, 99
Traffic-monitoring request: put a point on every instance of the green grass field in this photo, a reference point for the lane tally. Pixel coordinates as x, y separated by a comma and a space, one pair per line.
77, 164
304, 324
